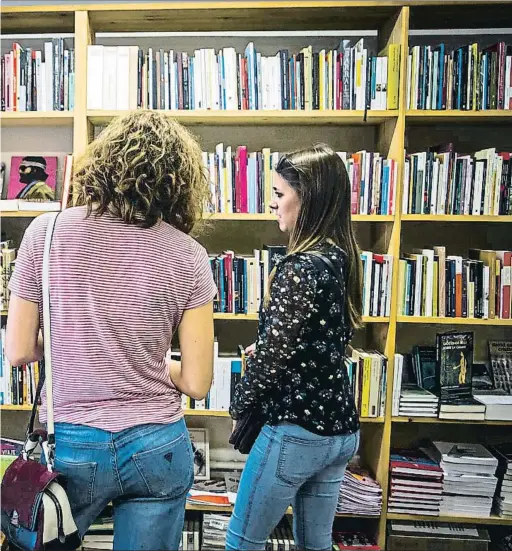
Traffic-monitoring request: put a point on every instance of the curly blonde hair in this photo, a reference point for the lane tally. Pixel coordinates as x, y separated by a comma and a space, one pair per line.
144, 167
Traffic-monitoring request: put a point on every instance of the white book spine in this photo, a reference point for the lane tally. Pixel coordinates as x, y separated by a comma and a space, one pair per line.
94, 77
48, 60
123, 78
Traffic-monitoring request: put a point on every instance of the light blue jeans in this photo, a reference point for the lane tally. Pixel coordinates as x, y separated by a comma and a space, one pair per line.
289, 465
146, 471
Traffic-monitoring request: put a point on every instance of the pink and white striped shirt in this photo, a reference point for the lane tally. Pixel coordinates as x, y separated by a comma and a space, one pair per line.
118, 293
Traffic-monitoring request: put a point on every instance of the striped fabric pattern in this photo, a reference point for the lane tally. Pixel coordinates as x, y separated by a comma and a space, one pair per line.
118, 293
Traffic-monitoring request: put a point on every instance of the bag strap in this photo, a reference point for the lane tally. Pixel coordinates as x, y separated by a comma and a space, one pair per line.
337, 274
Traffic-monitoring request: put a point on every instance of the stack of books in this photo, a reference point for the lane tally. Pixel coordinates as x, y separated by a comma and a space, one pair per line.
469, 481
215, 527
503, 496
416, 484
209, 492
417, 402
360, 494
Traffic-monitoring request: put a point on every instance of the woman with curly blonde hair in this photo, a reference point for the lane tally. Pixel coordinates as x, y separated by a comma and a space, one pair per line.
124, 277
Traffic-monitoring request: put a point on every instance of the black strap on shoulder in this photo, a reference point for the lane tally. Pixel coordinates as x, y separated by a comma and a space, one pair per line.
330, 265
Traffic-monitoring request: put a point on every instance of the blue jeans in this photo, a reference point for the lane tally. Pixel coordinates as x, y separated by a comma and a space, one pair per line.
146, 471
289, 465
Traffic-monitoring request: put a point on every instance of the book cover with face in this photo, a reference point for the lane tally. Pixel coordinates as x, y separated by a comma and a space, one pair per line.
33, 178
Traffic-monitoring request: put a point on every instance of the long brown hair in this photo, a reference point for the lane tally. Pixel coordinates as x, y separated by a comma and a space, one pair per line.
320, 178
144, 167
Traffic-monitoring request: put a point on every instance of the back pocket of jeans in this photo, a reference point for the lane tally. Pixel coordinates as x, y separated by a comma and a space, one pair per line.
300, 459
79, 481
167, 470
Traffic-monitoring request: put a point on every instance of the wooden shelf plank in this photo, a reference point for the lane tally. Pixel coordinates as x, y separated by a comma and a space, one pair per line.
289, 511
260, 117
455, 218
23, 213
453, 321
205, 413
15, 408
452, 518
36, 118
494, 116
436, 420
255, 317
271, 217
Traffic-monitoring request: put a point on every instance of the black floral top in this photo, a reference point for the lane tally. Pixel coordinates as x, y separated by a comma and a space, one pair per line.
297, 373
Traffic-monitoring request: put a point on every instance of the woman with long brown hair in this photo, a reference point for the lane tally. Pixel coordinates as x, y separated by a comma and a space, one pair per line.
295, 376
124, 277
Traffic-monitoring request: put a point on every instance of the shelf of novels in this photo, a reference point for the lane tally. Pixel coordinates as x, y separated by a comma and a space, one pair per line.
493, 519
254, 317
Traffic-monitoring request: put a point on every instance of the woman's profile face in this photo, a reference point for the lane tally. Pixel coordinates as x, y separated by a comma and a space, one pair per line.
285, 203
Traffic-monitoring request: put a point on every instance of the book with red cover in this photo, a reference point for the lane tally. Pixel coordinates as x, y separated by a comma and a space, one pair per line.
415, 462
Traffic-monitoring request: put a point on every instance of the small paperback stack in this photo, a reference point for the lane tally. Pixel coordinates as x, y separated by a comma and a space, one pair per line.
214, 532
416, 483
417, 402
469, 481
359, 494
209, 492
503, 496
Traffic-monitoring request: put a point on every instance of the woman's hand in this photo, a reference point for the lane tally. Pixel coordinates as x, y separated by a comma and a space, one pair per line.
249, 351
233, 427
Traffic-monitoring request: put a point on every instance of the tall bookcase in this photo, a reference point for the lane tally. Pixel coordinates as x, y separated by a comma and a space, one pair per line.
388, 132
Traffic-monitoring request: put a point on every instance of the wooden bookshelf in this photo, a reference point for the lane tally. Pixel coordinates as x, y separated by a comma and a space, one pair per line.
454, 321
383, 131
36, 118
453, 518
289, 511
494, 116
22, 213
436, 420
451, 218
259, 117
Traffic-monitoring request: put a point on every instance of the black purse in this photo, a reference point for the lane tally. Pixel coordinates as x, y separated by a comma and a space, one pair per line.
249, 426
246, 431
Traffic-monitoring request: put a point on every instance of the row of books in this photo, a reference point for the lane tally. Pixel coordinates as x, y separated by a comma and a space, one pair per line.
467, 78
448, 478
367, 373
434, 284
241, 181
126, 77
444, 380
242, 281
441, 181
35, 80
18, 384
227, 371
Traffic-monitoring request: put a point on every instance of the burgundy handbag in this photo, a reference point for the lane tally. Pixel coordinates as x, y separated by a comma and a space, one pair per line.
36, 514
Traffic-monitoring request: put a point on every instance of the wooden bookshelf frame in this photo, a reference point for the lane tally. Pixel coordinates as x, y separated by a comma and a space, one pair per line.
393, 19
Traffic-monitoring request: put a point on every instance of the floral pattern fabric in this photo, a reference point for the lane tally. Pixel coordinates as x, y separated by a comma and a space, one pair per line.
297, 373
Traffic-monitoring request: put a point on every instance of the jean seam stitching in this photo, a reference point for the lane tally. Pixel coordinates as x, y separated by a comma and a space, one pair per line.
115, 470
253, 490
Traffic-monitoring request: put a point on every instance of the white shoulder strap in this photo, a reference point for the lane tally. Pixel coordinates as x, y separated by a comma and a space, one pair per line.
47, 324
